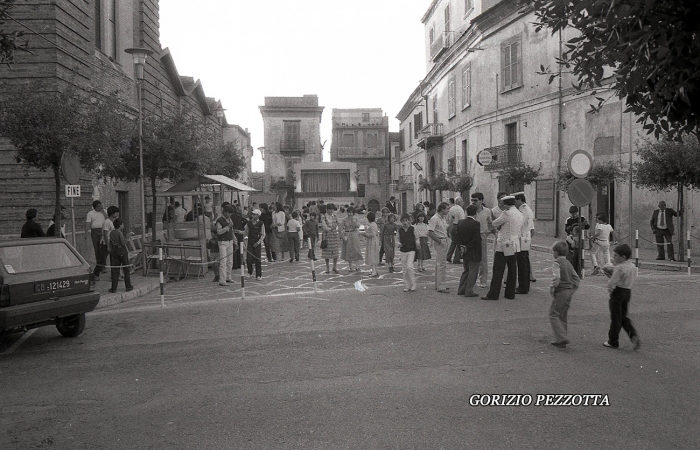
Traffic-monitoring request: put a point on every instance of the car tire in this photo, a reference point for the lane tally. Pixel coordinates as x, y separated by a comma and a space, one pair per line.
71, 326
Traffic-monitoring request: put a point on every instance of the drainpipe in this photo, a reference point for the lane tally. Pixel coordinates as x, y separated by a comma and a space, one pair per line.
557, 201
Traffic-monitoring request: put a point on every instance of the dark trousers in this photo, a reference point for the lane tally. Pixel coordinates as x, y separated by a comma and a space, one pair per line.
468, 278
268, 246
454, 247
500, 261
663, 236
294, 245
120, 257
253, 257
237, 263
381, 249
619, 303
523, 260
102, 260
95, 236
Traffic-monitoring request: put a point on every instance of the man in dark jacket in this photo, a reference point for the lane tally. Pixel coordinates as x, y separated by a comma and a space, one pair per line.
469, 239
662, 226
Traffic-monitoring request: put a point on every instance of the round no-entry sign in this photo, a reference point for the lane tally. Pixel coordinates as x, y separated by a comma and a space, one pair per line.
580, 192
70, 165
580, 163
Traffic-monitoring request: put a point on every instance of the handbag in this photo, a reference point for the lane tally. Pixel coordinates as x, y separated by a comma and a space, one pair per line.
324, 243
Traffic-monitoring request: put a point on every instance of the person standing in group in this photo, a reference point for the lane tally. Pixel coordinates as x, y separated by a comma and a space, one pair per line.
508, 224
408, 243
52, 226
437, 231
31, 227
565, 282
350, 233
523, 256
228, 244
572, 220
293, 228
455, 214
310, 229
575, 243
93, 228
421, 230
208, 207
179, 212
496, 212
280, 244
600, 244
662, 226
391, 205
381, 221
469, 240
255, 232
329, 226
389, 240
119, 256
429, 210
620, 289
483, 216
107, 228
266, 219
372, 245
419, 208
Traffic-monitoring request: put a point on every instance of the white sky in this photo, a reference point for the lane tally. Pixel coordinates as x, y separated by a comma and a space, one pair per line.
351, 53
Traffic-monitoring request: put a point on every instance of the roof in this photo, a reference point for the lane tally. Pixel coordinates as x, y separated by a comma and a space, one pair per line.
237, 185
195, 183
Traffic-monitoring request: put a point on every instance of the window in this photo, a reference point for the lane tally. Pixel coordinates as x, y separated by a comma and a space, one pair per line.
465, 156
365, 117
466, 86
435, 109
371, 139
511, 67
401, 141
451, 94
512, 133
418, 124
106, 27
452, 166
291, 130
347, 140
326, 181
373, 175
34, 258
468, 6
544, 199
410, 134
432, 33
447, 18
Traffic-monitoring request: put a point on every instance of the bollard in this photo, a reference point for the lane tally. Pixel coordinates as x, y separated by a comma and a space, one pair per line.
242, 252
313, 266
636, 248
160, 264
688, 250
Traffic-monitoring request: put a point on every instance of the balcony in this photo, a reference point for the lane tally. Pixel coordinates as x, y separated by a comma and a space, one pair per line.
503, 156
292, 146
430, 135
442, 42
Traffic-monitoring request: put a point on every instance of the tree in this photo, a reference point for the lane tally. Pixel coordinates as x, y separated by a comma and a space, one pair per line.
223, 158
666, 164
520, 175
9, 40
652, 47
43, 126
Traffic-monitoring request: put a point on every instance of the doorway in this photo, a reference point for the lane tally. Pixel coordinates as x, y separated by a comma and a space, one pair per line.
605, 202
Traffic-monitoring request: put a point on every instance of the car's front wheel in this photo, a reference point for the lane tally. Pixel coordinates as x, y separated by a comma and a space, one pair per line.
71, 326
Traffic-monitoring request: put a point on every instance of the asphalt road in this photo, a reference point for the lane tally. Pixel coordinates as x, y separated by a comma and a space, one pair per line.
358, 370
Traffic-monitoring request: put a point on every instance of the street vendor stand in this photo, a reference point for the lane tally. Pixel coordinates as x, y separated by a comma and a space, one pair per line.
184, 244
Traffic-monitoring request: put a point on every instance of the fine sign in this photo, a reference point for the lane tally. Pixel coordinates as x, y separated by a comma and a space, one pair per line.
72, 190
484, 158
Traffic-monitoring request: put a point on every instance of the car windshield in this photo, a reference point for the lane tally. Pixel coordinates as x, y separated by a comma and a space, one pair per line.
34, 258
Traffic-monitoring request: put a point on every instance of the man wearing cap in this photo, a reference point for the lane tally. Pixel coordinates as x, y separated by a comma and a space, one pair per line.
455, 214
508, 224
255, 233
526, 233
227, 245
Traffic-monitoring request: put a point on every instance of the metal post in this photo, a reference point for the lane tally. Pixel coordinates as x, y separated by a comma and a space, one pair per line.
313, 267
688, 249
636, 248
160, 265
240, 247
143, 194
72, 220
580, 243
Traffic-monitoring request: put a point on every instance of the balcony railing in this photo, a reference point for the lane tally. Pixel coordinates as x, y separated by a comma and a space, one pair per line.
503, 156
442, 42
429, 135
295, 146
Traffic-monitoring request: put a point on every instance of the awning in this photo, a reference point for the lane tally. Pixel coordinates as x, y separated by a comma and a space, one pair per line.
236, 185
195, 183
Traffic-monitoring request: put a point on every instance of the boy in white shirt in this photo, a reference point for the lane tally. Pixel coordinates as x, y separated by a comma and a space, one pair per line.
294, 236
600, 243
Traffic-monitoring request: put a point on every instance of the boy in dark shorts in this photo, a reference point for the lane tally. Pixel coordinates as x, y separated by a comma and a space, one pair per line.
620, 288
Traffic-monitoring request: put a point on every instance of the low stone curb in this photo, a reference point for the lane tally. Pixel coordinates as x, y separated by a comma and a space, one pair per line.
119, 297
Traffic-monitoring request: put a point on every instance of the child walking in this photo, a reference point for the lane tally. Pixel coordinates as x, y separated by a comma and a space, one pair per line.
421, 230
600, 244
565, 282
620, 288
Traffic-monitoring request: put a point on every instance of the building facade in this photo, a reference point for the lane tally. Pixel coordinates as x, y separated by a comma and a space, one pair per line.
484, 93
82, 44
361, 136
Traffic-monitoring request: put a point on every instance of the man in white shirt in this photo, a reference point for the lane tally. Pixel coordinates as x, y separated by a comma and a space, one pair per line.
455, 214
523, 256
179, 212
483, 216
93, 230
437, 231
508, 224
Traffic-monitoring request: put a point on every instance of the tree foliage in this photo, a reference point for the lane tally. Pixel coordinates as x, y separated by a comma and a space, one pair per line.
520, 175
43, 126
9, 43
667, 164
652, 46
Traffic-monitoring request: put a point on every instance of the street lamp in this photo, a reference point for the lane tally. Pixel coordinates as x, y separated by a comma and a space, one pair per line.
140, 55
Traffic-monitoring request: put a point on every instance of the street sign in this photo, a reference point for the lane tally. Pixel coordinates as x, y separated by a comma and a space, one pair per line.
72, 190
484, 158
580, 192
70, 165
580, 163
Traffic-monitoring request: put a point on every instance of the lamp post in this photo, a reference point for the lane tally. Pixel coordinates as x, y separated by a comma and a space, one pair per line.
140, 55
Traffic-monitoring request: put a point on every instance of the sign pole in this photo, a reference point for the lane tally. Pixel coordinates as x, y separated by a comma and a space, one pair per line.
72, 219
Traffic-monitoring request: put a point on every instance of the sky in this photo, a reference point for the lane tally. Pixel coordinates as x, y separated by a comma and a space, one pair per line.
351, 54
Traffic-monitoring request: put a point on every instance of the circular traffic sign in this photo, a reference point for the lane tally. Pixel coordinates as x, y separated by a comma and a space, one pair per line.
580, 163
580, 192
484, 157
70, 165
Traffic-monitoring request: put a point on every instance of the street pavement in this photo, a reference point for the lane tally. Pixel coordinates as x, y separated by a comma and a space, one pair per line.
339, 368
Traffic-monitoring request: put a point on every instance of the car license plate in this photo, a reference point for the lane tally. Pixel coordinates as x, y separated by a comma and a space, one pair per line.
51, 286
